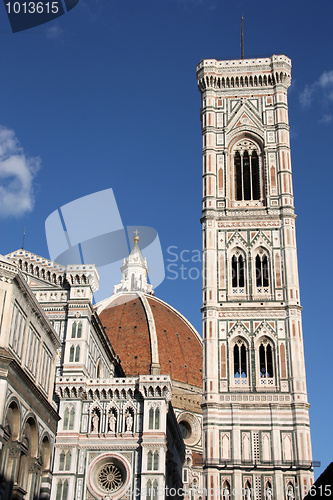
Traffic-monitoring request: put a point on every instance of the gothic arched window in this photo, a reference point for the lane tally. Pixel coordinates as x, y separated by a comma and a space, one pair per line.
156, 457
77, 354
71, 419
62, 461
148, 490
266, 360
154, 418
238, 271
62, 490
71, 353
68, 460
262, 272
150, 460
151, 418
240, 363
59, 491
157, 418
69, 415
247, 175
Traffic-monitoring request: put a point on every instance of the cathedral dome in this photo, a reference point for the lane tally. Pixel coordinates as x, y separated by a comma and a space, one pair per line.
148, 335
151, 337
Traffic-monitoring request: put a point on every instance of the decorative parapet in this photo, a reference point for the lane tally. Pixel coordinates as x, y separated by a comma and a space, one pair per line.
83, 275
47, 270
257, 72
157, 387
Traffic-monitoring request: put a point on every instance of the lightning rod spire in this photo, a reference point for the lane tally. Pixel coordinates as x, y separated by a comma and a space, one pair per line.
242, 38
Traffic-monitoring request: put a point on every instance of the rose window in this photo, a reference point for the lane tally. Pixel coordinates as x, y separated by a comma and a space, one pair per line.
110, 477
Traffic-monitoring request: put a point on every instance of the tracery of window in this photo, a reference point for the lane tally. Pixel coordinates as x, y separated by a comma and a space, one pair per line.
240, 364
247, 181
266, 363
238, 270
110, 477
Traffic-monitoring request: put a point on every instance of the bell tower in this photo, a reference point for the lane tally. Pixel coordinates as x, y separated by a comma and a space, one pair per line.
255, 410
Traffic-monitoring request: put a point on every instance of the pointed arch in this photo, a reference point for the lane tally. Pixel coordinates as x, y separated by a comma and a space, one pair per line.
239, 362
62, 460
66, 418
68, 460
265, 348
287, 447
71, 353
225, 446
71, 419
156, 460
226, 491
150, 460
151, 418
246, 445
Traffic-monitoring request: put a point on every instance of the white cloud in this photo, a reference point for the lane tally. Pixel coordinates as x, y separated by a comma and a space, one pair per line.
17, 172
326, 119
321, 88
326, 79
305, 97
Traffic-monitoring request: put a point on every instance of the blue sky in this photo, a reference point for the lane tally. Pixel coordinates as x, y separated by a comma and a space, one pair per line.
106, 96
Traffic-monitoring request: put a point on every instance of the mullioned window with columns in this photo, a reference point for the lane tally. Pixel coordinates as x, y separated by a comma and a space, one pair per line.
247, 172
262, 373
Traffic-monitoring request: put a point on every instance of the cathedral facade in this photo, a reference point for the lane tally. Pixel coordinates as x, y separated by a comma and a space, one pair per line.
123, 399
127, 387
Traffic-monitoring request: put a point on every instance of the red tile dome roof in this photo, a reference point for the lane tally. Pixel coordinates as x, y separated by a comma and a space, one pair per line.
148, 334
